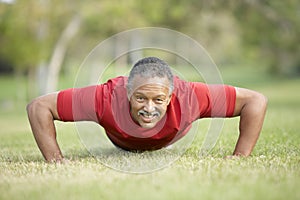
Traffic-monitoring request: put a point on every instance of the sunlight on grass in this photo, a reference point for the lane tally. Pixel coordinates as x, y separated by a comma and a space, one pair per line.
272, 172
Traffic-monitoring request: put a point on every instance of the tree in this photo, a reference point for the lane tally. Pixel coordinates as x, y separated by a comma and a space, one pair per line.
272, 28
35, 35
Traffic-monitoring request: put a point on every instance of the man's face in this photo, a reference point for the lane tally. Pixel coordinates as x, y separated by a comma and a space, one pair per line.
149, 100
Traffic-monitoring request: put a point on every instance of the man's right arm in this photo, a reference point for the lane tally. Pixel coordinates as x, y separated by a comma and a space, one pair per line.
42, 112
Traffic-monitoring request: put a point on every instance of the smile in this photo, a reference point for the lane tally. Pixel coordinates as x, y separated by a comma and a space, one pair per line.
148, 117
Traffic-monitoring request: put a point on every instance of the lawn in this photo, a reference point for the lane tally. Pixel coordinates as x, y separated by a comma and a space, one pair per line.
272, 172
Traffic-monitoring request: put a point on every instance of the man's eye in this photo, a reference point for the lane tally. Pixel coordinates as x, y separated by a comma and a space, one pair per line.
160, 100
140, 98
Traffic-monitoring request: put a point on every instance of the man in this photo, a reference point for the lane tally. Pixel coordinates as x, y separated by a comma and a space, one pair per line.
149, 110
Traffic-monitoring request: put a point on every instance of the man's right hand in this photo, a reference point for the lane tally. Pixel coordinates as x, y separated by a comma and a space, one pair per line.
42, 112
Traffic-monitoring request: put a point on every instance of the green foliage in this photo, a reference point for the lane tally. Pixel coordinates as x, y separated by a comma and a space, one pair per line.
263, 32
272, 29
18, 45
29, 30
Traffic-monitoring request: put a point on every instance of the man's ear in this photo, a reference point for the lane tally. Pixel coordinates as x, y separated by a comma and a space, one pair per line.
129, 96
129, 93
169, 100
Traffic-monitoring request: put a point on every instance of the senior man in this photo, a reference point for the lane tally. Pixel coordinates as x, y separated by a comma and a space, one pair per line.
148, 110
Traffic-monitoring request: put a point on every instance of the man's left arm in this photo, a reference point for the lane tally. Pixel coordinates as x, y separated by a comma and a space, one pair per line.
251, 107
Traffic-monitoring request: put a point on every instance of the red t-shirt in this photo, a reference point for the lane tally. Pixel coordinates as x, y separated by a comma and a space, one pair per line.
108, 105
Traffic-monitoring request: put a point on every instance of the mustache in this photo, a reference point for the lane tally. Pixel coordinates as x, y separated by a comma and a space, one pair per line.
148, 114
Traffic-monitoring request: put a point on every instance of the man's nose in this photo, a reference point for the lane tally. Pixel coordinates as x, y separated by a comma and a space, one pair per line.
149, 106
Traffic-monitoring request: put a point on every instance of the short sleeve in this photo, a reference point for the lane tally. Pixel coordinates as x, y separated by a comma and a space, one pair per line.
215, 100
77, 104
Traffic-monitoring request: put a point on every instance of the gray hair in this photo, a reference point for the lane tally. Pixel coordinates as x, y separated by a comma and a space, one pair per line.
150, 67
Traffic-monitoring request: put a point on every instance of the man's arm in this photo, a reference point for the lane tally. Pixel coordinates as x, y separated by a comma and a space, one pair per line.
251, 107
42, 112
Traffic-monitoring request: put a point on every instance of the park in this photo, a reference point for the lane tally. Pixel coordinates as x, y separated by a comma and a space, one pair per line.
262, 55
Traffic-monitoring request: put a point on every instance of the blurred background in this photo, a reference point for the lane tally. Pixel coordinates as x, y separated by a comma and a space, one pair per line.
43, 42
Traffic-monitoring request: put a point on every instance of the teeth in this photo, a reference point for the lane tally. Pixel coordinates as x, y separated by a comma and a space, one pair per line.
148, 115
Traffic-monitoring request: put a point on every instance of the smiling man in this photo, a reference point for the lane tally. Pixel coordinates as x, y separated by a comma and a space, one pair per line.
148, 110
149, 89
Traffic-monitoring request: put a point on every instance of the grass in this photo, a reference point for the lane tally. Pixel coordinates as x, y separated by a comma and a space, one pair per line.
272, 172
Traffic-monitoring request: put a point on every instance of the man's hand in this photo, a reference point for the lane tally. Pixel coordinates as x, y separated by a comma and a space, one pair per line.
251, 107
41, 113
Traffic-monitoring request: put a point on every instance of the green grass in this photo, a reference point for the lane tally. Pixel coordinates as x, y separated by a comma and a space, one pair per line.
272, 172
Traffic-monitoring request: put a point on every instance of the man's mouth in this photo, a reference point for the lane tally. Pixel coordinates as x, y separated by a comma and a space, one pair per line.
148, 116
